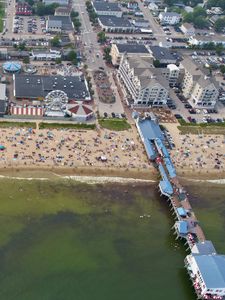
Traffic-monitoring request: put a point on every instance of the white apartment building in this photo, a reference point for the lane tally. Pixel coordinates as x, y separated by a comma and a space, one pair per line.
60, 2
170, 18
45, 55
144, 88
197, 86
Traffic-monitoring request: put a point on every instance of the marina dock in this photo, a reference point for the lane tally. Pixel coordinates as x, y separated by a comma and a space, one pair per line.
205, 267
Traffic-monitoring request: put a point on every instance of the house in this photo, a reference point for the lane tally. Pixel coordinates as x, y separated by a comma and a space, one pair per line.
143, 87
187, 29
103, 8
36, 87
45, 54
169, 18
133, 5
118, 50
153, 6
62, 11
58, 24
163, 55
189, 9
198, 86
23, 9
59, 2
115, 24
201, 40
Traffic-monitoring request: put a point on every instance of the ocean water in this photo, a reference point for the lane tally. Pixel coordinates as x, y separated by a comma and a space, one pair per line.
60, 239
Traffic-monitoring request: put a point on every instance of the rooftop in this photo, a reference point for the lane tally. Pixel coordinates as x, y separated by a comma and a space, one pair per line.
205, 248
170, 14
65, 22
160, 53
112, 21
132, 48
106, 6
212, 269
35, 86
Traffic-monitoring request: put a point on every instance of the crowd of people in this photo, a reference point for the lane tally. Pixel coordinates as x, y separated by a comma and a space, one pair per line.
71, 148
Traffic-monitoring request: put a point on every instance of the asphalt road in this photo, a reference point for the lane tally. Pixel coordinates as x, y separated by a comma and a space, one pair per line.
94, 58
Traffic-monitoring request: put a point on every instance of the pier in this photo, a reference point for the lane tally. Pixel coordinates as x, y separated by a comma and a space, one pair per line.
205, 267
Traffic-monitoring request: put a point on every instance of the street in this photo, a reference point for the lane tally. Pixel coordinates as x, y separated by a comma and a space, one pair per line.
94, 59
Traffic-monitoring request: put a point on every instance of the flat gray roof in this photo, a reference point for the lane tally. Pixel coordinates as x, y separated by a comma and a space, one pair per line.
160, 53
132, 48
35, 86
106, 6
65, 22
112, 21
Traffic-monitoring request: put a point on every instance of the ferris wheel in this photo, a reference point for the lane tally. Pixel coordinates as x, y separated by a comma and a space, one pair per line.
55, 102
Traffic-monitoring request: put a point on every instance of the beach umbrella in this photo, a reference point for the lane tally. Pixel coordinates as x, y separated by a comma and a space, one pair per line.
2, 147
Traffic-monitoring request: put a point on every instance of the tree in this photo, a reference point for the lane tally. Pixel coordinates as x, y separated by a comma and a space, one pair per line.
107, 55
156, 63
58, 61
42, 9
55, 42
200, 22
216, 3
26, 60
72, 56
74, 14
101, 37
219, 49
187, 17
220, 24
76, 24
222, 69
21, 46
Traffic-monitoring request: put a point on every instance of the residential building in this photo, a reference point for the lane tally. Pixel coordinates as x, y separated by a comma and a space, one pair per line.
133, 5
62, 11
60, 2
118, 50
205, 39
58, 24
153, 6
45, 54
170, 18
163, 55
187, 29
207, 272
142, 86
198, 86
103, 8
36, 87
23, 9
115, 24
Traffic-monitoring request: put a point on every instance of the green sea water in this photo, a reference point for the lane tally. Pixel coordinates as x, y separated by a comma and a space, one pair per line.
65, 240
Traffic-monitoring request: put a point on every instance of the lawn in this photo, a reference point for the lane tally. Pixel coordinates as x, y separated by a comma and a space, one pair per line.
66, 125
2, 14
6, 124
114, 124
202, 128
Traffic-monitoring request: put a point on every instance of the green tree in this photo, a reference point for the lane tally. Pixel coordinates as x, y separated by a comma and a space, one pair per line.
101, 37
26, 60
74, 14
55, 42
219, 49
72, 56
58, 61
188, 17
220, 24
42, 9
222, 69
107, 55
77, 24
216, 3
156, 63
21, 46
200, 22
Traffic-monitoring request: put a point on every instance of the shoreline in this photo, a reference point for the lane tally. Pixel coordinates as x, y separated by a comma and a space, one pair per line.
147, 175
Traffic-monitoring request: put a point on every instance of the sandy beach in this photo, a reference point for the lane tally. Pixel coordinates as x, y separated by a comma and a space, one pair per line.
105, 153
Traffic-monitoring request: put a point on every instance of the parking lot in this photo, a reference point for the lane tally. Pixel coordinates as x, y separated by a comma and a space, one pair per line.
29, 25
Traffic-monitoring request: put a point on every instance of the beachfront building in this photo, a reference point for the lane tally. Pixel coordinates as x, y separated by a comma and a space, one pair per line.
58, 24
143, 86
198, 86
36, 87
207, 272
118, 50
169, 18
206, 39
3, 98
103, 8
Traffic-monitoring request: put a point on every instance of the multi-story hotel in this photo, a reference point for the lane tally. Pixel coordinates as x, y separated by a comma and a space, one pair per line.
198, 86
